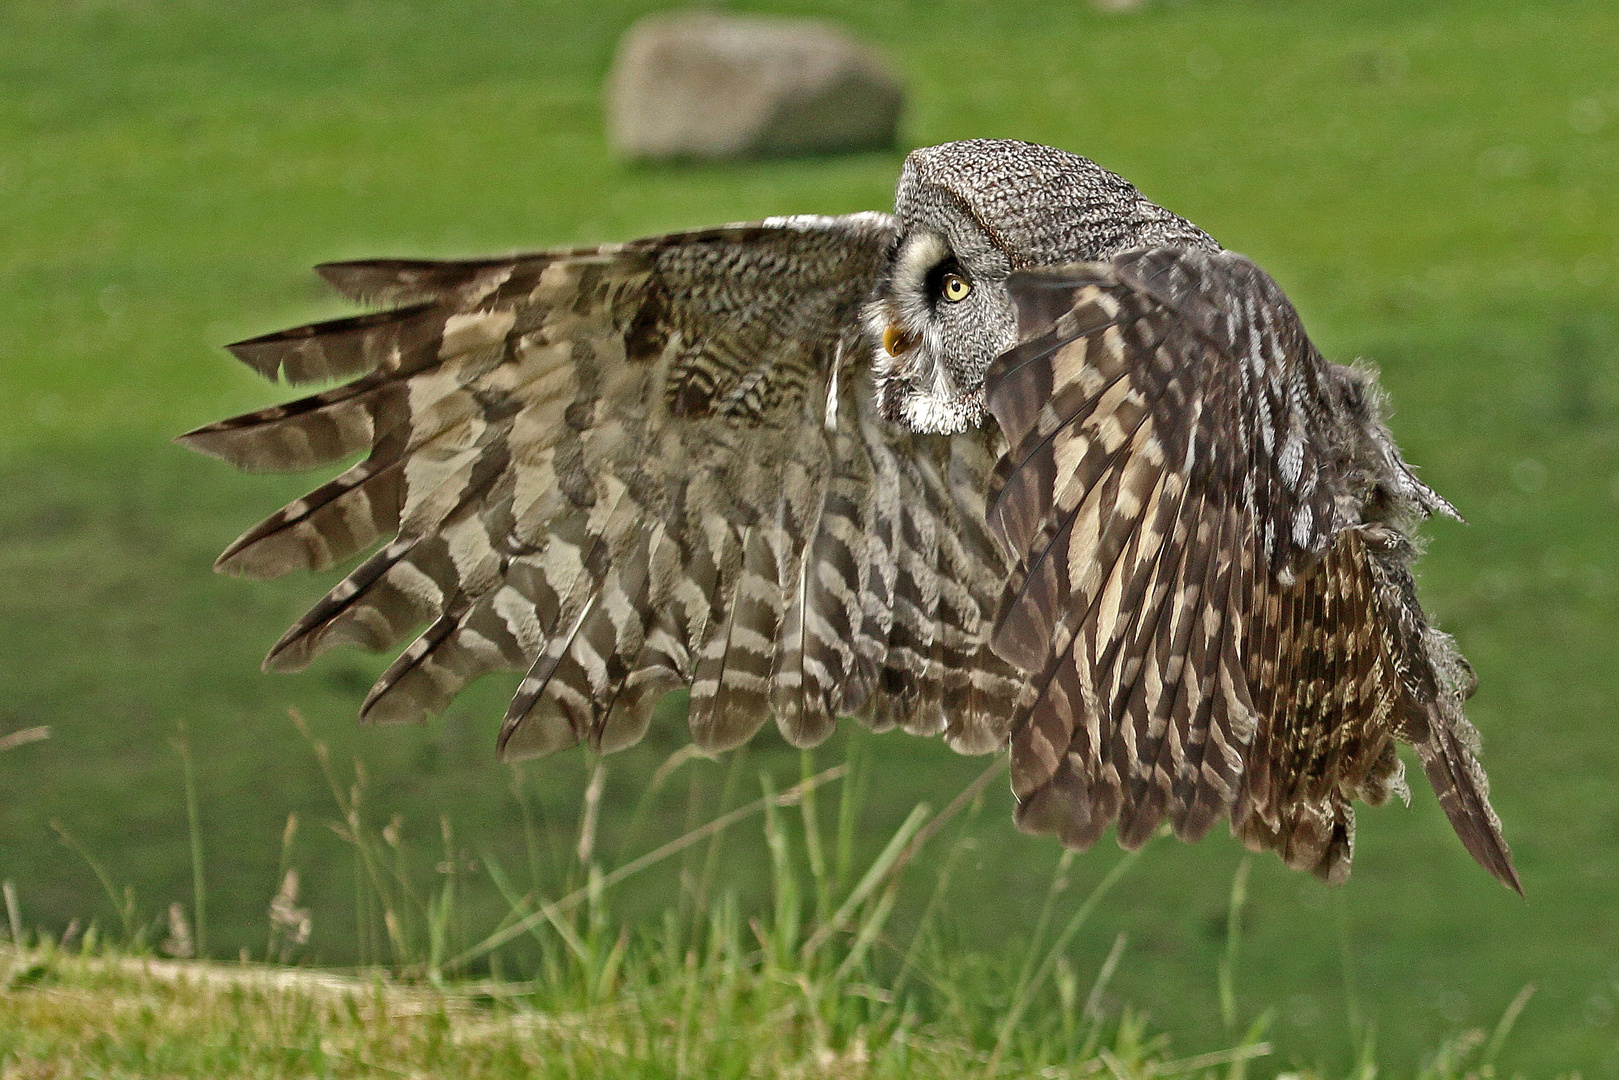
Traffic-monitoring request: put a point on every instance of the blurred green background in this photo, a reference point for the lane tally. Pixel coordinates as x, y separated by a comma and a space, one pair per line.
1435, 184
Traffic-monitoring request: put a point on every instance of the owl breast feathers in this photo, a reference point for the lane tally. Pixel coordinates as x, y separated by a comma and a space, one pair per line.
1032, 463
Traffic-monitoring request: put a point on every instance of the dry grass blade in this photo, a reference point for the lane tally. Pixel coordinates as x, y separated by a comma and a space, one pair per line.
24, 737
1233, 943
1208, 1061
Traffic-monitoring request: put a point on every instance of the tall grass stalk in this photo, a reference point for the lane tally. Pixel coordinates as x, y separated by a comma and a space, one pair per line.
875, 874
1233, 943
1032, 954
591, 814
850, 798
531, 834
13, 912
441, 909
1508, 1020
651, 858
1026, 991
643, 804
784, 924
199, 889
941, 887
814, 850
124, 905
1362, 1032
1093, 1000
697, 891
383, 893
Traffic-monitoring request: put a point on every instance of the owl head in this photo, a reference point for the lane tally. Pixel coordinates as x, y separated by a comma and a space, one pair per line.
969, 214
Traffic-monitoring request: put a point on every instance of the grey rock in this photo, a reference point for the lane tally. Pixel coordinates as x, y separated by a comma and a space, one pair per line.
703, 85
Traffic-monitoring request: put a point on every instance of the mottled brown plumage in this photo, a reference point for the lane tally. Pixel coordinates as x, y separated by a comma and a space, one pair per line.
1185, 670
1172, 575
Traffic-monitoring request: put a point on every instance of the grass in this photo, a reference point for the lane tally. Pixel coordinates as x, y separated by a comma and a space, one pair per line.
820, 985
1436, 185
823, 982
114, 1016
821, 988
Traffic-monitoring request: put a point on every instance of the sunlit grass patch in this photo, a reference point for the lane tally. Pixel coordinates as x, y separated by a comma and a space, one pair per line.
119, 1016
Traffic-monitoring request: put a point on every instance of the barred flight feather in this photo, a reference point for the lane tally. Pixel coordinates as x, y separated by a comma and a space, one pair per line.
612, 468
1210, 572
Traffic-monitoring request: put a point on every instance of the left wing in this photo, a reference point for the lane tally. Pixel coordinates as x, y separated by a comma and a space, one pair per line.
625, 470
1212, 589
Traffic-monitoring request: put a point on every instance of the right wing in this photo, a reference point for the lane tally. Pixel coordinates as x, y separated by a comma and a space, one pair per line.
625, 470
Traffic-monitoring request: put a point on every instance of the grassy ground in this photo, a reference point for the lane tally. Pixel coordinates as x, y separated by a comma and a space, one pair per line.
805, 988
1436, 185
121, 1017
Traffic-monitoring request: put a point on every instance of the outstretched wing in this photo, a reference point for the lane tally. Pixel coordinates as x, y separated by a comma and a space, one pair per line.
1208, 524
624, 470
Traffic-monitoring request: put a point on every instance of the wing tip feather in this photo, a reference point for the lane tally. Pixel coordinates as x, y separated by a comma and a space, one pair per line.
1457, 781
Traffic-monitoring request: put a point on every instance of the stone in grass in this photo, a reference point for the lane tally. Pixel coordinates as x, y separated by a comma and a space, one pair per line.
703, 85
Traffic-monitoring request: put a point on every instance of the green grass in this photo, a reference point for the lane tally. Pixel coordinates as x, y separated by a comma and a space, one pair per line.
820, 985
1436, 185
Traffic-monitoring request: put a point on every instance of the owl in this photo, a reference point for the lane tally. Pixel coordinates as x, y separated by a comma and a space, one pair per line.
1031, 464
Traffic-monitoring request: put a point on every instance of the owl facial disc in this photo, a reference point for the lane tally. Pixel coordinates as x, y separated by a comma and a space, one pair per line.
934, 331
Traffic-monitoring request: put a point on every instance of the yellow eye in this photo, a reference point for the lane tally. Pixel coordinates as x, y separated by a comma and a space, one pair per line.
956, 288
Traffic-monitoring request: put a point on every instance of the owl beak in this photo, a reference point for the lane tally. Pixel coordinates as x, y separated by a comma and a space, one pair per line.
897, 340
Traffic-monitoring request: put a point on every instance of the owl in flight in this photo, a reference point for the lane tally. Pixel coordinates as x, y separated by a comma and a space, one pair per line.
1030, 463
